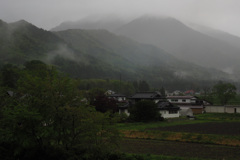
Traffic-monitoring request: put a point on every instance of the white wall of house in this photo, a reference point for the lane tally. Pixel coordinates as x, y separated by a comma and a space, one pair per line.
166, 114
186, 112
124, 111
120, 99
187, 101
238, 109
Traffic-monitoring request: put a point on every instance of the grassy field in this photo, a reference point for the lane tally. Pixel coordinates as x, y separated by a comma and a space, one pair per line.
201, 118
221, 130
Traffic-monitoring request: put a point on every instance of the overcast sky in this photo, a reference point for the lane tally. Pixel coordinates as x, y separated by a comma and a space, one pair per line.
219, 14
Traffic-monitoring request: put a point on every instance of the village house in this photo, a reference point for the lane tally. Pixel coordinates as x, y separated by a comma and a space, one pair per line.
154, 96
188, 102
122, 102
167, 109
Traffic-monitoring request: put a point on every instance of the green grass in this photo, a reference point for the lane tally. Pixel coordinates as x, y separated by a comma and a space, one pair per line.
201, 118
140, 126
140, 129
158, 157
219, 117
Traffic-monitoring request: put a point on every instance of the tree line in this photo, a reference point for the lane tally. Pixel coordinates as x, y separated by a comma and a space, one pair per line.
42, 116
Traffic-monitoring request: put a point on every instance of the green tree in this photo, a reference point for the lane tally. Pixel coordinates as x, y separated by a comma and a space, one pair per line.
224, 92
145, 110
9, 76
103, 104
49, 119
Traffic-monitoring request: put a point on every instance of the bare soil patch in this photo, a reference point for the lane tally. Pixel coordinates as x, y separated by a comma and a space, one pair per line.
223, 128
180, 149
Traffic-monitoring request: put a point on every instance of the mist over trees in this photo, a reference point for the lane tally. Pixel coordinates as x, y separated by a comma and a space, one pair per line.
100, 54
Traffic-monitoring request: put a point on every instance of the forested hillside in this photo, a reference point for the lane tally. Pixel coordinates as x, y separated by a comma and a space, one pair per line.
100, 54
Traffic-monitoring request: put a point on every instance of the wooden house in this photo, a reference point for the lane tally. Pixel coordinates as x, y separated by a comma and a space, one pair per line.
186, 102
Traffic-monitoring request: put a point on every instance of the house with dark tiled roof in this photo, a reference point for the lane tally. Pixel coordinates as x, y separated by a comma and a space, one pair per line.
166, 109
154, 96
188, 102
122, 102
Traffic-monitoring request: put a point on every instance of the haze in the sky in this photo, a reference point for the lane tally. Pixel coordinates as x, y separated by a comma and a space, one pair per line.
218, 14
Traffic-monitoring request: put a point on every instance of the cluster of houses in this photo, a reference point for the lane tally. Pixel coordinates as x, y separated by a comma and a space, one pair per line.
172, 106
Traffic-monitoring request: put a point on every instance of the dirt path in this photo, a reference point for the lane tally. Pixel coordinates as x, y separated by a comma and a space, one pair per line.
141, 146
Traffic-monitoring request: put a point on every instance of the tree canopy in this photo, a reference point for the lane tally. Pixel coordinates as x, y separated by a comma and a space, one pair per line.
45, 118
145, 110
224, 92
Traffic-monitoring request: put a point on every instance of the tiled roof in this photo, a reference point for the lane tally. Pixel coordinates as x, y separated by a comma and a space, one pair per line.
123, 105
116, 95
191, 106
181, 97
166, 105
146, 95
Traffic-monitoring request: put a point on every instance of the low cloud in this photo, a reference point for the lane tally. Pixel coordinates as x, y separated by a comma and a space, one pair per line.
219, 14
62, 51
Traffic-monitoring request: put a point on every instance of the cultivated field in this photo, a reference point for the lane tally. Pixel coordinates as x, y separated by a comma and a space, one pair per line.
211, 136
221, 128
181, 149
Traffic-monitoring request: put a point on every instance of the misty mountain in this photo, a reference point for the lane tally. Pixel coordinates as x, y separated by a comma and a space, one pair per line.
109, 23
183, 42
146, 59
99, 54
109, 47
21, 41
218, 34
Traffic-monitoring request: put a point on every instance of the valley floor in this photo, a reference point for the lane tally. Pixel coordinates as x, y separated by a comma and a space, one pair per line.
180, 149
209, 137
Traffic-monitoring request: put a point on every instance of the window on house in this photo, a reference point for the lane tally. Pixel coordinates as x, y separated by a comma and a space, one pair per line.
173, 111
184, 100
174, 100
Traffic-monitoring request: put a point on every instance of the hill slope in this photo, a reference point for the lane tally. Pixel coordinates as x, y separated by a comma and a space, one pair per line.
98, 54
218, 34
182, 41
150, 61
22, 41
109, 23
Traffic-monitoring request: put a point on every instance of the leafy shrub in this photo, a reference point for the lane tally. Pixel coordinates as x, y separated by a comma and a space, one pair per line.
144, 111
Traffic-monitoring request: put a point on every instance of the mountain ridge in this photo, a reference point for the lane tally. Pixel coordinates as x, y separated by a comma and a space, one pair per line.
101, 54
181, 41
